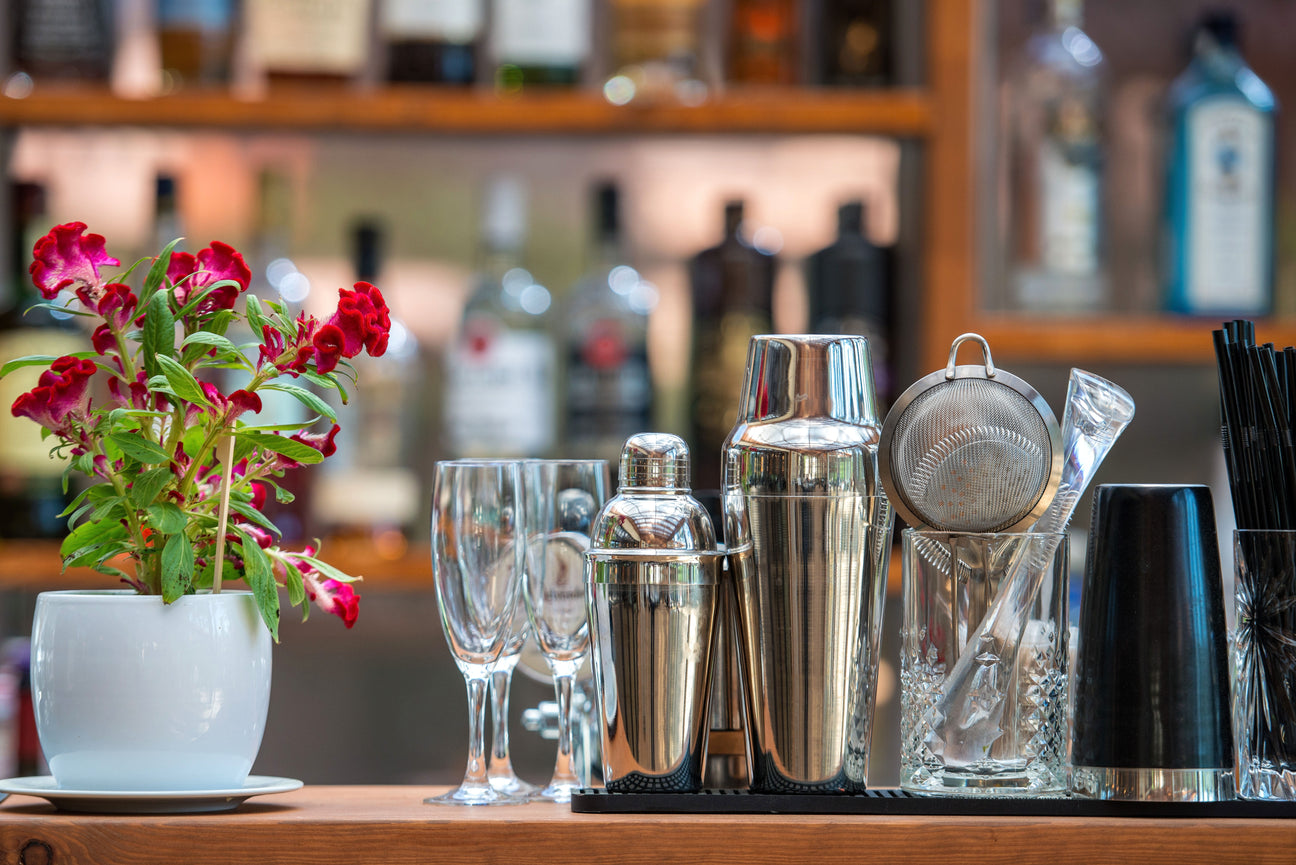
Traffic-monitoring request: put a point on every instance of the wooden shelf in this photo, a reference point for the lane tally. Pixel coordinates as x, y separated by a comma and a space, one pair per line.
1145, 339
392, 825
905, 113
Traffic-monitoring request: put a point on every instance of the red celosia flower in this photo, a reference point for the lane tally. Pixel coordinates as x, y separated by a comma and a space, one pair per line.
134, 396
219, 261
338, 598
103, 340
362, 323
65, 258
115, 302
62, 390
237, 403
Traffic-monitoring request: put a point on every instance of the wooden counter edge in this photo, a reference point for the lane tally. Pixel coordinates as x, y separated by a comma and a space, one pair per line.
390, 824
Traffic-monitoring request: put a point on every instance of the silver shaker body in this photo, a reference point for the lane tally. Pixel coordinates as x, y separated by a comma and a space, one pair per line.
652, 582
808, 530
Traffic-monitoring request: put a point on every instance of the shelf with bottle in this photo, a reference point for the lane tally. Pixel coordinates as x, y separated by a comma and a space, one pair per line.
420, 108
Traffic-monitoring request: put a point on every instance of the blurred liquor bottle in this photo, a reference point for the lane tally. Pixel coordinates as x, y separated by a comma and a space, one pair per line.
196, 41
31, 486
658, 50
733, 293
1055, 251
852, 42
847, 289
763, 42
432, 42
609, 384
62, 39
369, 490
539, 41
309, 41
1219, 190
501, 394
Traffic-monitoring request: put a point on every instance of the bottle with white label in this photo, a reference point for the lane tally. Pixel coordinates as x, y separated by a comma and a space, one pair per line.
539, 41
1055, 250
309, 41
1219, 191
609, 384
500, 375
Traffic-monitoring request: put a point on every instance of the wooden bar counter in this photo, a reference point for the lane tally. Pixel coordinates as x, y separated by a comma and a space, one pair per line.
390, 825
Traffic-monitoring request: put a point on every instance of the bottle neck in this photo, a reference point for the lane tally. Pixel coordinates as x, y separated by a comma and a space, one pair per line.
1066, 13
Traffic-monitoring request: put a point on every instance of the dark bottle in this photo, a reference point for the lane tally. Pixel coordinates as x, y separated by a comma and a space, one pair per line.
853, 43
432, 42
196, 41
609, 386
31, 486
733, 294
846, 285
762, 42
62, 39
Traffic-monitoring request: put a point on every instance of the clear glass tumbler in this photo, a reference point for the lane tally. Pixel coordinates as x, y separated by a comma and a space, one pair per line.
1020, 689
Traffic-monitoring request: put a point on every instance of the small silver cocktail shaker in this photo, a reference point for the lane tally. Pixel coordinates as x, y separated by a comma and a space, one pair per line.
652, 588
808, 531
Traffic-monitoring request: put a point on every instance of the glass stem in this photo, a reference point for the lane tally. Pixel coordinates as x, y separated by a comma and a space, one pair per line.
563, 683
501, 680
476, 772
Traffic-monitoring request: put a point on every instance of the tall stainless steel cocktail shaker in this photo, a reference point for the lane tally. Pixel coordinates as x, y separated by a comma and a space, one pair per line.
808, 530
652, 583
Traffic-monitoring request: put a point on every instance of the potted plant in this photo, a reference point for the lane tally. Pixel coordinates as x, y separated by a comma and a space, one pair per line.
164, 685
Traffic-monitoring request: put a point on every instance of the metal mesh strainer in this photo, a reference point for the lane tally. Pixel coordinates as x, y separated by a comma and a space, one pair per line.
971, 449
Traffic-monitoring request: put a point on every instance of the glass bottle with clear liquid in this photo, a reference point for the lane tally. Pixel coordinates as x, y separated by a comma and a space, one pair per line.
1055, 247
500, 398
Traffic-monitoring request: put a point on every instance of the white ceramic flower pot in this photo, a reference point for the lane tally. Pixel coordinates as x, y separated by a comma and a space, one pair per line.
131, 694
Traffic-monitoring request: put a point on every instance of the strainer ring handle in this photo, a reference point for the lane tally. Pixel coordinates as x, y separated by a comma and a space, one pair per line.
985, 354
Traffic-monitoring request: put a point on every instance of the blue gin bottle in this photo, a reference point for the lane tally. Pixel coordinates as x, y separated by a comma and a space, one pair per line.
1219, 192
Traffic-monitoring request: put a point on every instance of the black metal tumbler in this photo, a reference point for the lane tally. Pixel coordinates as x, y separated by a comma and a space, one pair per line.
1152, 711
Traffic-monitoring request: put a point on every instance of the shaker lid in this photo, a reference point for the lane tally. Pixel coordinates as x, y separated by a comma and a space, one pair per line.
659, 460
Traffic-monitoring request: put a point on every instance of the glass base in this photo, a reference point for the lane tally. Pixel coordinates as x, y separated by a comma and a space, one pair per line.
474, 795
512, 785
560, 792
1154, 785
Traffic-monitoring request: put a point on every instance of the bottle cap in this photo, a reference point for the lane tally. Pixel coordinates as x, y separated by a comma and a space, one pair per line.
657, 460
504, 217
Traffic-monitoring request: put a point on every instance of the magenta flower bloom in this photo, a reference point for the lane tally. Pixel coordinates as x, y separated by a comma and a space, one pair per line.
362, 323
219, 261
338, 598
134, 396
62, 392
237, 403
115, 302
69, 258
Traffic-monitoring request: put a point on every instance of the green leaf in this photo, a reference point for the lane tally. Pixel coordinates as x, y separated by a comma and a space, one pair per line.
157, 272
294, 450
252, 515
296, 587
182, 380
255, 315
92, 531
177, 567
139, 448
283, 496
158, 339
95, 556
202, 337
318, 380
259, 574
29, 360
329, 571
311, 400
167, 518
148, 484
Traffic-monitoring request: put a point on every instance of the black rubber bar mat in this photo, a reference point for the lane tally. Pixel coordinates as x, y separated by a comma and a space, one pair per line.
895, 802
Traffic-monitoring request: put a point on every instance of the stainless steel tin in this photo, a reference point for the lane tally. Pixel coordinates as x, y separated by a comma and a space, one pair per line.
808, 532
652, 588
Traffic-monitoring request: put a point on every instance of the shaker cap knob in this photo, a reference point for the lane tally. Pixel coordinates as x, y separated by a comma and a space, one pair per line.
658, 460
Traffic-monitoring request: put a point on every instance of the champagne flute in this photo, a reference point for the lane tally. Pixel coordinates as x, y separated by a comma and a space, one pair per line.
562, 498
501, 774
478, 553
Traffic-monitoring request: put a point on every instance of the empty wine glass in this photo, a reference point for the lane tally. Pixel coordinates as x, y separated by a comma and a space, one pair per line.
478, 553
562, 497
501, 774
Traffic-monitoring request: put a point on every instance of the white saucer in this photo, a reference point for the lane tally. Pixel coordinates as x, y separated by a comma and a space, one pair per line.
146, 801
